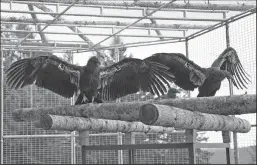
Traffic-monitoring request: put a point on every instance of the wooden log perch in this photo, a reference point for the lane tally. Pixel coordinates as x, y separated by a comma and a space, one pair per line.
224, 105
37, 124
70, 123
167, 116
113, 111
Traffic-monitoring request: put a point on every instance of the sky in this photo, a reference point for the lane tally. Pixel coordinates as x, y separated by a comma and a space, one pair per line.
202, 50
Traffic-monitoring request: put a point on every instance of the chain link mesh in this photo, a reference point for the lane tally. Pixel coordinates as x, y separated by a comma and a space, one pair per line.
204, 49
47, 150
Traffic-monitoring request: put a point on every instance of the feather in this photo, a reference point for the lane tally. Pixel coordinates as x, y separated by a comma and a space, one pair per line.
10, 80
157, 85
239, 77
245, 73
164, 79
242, 75
162, 88
26, 71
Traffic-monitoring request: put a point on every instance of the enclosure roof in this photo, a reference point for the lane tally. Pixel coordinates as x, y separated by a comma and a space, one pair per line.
87, 25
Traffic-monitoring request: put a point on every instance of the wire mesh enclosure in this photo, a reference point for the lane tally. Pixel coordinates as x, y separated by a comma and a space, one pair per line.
199, 29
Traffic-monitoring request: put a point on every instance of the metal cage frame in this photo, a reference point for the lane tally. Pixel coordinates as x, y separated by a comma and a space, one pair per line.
147, 9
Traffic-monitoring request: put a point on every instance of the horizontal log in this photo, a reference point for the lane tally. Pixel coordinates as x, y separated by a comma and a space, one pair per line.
110, 23
113, 111
69, 123
167, 116
129, 111
222, 105
37, 124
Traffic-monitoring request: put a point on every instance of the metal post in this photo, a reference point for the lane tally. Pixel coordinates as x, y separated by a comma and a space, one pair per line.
73, 133
231, 92
31, 88
120, 152
84, 142
187, 55
191, 138
119, 134
226, 139
2, 108
130, 138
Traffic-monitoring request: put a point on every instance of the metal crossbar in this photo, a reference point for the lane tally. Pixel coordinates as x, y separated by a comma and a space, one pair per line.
58, 16
91, 48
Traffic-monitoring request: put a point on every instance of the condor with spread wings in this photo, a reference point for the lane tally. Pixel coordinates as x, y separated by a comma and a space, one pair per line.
125, 77
189, 75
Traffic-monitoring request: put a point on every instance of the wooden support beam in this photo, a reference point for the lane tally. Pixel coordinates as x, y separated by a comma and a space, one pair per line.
69, 123
129, 111
167, 116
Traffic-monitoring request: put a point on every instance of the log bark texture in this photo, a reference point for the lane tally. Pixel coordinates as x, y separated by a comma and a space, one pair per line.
167, 116
70, 123
37, 124
113, 111
223, 105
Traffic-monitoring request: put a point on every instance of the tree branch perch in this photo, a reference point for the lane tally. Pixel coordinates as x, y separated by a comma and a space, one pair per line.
222, 105
113, 111
69, 123
129, 111
162, 115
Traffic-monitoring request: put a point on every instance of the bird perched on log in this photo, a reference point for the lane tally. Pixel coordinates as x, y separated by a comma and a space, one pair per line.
189, 75
95, 83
